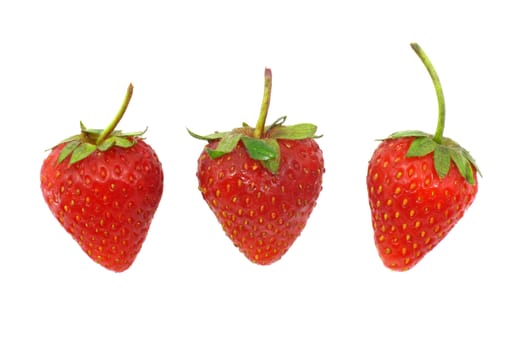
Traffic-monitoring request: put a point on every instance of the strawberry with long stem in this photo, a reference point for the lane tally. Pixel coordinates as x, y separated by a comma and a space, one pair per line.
419, 186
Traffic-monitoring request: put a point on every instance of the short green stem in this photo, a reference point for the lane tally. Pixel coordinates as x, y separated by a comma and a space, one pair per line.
111, 127
259, 128
438, 135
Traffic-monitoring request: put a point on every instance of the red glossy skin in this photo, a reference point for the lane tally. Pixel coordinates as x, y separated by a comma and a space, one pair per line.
105, 201
412, 208
263, 213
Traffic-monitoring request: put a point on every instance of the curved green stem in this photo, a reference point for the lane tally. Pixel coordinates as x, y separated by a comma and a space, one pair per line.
259, 128
438, 135
111, 127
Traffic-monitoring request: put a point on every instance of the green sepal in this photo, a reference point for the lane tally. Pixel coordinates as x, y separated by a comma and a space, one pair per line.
125, 142
225, 145
259, 149
107, 144
272, 164
68, 149
421, 147
210, 137
463, 165
441, 160
294, 132
408, 133
82, 151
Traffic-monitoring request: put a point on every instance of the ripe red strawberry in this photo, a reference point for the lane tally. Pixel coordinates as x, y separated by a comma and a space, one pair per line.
263, 188
104, 187
419, 187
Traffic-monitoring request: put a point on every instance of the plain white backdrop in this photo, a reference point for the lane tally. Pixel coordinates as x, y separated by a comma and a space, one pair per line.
345, 66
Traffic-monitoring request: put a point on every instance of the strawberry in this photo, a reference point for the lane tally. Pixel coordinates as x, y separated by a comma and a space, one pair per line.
262, 183
419, 187
104, 187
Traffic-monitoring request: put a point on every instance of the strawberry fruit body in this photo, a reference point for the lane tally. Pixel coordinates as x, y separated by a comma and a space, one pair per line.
419, 187
262, 183
104, 187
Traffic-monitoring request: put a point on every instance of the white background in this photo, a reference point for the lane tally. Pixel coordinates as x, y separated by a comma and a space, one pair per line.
344, 66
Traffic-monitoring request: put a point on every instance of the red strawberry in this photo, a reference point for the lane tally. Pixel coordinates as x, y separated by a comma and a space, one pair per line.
263, 188
104, 187
419, 187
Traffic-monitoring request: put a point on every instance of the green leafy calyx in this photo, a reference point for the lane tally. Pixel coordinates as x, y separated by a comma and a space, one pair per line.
264, 149
81, 146
260, 141
444, 152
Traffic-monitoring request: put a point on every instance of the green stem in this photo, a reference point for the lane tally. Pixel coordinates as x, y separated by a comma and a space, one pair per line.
438, 135
109, 129
259, 128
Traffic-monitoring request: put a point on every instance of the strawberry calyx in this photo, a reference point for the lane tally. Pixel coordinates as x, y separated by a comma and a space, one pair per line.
81, 146
444, 152
445, 149
260, 141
